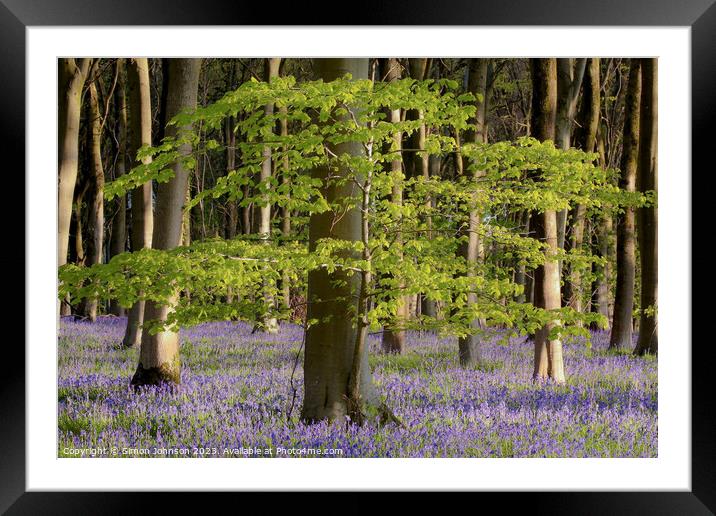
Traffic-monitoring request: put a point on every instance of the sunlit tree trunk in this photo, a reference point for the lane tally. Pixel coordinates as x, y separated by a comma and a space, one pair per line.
119, 220
622, 327
140, 133
331, 343
548, 361
95, 205
647, 180
71, 79
393, 340
269, 324
159, 360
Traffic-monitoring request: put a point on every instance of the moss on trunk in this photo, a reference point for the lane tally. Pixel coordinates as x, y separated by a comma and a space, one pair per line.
166, 373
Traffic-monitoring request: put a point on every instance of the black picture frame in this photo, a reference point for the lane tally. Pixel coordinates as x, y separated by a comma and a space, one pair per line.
700, 15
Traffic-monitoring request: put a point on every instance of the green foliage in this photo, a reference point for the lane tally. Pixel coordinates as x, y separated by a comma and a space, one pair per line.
413, 246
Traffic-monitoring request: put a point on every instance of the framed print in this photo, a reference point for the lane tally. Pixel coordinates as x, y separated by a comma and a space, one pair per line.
422, 242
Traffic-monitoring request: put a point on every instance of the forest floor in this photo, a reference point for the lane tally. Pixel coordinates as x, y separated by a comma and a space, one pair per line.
237, 390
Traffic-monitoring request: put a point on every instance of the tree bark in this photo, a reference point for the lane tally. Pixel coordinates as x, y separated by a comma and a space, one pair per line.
331, 343
585, 139
72, 76
140, 133
473, 251
570, 72
417, 165
393, 340
232, 212
269, 324
548, 361
119, 220
159, 354
601, 235
647, 180
622, 327
285, 211
95, 219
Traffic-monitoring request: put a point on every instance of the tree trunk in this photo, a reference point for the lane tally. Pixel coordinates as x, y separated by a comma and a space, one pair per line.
331, 343
285, 211
428, 307
548, 362
601, 235
232, 212
585, 139
119, 220
159, 355
647, 180
417, 165
622, 327
473, 252
521, 271
71, 79
570, 72
269, 324
600, 286
95, 225
140, 133
393, 340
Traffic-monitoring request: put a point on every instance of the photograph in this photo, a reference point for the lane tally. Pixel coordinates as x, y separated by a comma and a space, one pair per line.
357, 257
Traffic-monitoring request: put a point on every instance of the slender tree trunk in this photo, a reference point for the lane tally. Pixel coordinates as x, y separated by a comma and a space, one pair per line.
286, 210
600, 286
585, 139
331, 343
140, 133
159, 360
81, 256
521, 271
570, 72
473, 251
96, 200
622, 327
601, 235
269, 324
548, 362
232, 212
428, 307
417, 165
119, 220
647, 180
72, 76
393, 340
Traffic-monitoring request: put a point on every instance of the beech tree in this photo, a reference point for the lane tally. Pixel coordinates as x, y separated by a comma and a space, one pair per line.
473, 249
342, 148
71, 80
622, 323
269, 324
647, 215
140, 131
417, 162
119, 218
159, 359
570, 72
96, 201
548, 361
393, 340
